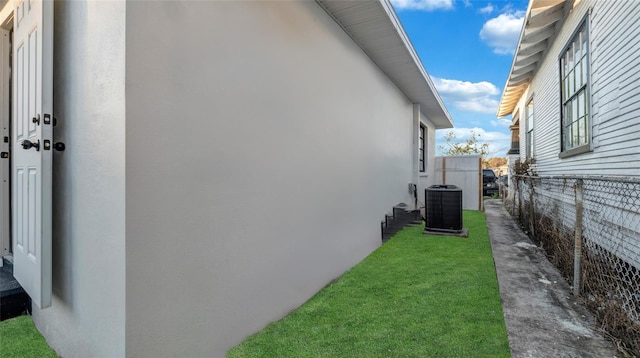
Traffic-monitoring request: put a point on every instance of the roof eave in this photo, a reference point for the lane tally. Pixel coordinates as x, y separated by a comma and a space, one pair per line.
403, 67
537, 33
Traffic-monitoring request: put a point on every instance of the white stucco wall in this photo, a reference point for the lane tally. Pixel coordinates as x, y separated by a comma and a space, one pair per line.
263, 149
87, 317
427, 178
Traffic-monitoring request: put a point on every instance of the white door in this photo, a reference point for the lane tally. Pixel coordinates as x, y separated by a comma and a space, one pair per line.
32, 125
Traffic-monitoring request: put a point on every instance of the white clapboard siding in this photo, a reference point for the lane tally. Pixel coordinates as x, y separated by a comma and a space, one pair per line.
614, 60
614, 38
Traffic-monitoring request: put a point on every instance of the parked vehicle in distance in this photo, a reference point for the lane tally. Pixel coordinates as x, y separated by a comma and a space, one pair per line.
489, 182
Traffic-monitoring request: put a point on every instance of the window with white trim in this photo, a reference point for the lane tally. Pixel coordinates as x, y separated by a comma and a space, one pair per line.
574, 79
529, 126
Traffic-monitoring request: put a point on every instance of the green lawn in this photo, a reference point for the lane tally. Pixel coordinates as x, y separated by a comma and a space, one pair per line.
19, 338
416, 296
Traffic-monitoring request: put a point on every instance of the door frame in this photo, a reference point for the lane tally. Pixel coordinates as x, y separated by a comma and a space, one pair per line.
6, 23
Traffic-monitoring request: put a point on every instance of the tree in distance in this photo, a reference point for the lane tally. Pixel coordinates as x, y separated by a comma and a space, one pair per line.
469, 147
472, 146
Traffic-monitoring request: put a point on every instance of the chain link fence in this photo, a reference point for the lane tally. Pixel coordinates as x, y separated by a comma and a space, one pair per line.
589, 228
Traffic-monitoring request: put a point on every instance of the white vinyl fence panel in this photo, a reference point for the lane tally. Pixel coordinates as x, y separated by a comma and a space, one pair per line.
464, 172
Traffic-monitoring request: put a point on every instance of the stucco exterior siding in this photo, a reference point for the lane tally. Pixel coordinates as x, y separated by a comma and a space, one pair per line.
258, 166
87, 317
614, 86
428, 177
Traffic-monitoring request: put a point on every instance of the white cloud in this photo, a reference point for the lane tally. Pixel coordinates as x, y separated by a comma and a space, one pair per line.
427, 5
468, 96
499, 142
501, 122
502, 32
487, 9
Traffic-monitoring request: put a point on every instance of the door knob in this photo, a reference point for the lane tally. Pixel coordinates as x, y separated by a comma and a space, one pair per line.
59, 146
27, 144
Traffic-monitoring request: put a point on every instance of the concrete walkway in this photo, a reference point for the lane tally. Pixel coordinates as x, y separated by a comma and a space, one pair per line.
543, 317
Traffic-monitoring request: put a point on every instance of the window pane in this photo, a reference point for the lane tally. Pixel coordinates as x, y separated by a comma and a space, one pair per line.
565, 135
570, 57
579, 74
584, 101
581, 106
570, 139
572, 81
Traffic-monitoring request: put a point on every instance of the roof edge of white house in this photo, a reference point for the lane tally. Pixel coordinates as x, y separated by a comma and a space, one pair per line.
504, 108
538, 30
391, 50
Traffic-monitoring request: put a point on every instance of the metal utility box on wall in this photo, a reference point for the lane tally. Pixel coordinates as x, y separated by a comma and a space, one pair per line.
443, 208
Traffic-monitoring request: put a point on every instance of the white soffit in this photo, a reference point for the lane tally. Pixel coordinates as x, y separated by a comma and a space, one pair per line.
537, 33
374, 26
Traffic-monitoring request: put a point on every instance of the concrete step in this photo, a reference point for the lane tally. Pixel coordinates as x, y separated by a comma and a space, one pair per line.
398, 219
13, 300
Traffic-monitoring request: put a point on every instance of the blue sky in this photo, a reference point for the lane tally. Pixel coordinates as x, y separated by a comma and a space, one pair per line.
467, 48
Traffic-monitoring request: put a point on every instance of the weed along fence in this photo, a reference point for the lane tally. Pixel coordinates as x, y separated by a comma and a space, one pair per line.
590, 229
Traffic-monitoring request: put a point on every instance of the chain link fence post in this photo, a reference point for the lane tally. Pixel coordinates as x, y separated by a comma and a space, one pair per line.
532, 222
589, 228
520, 184
577, 251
